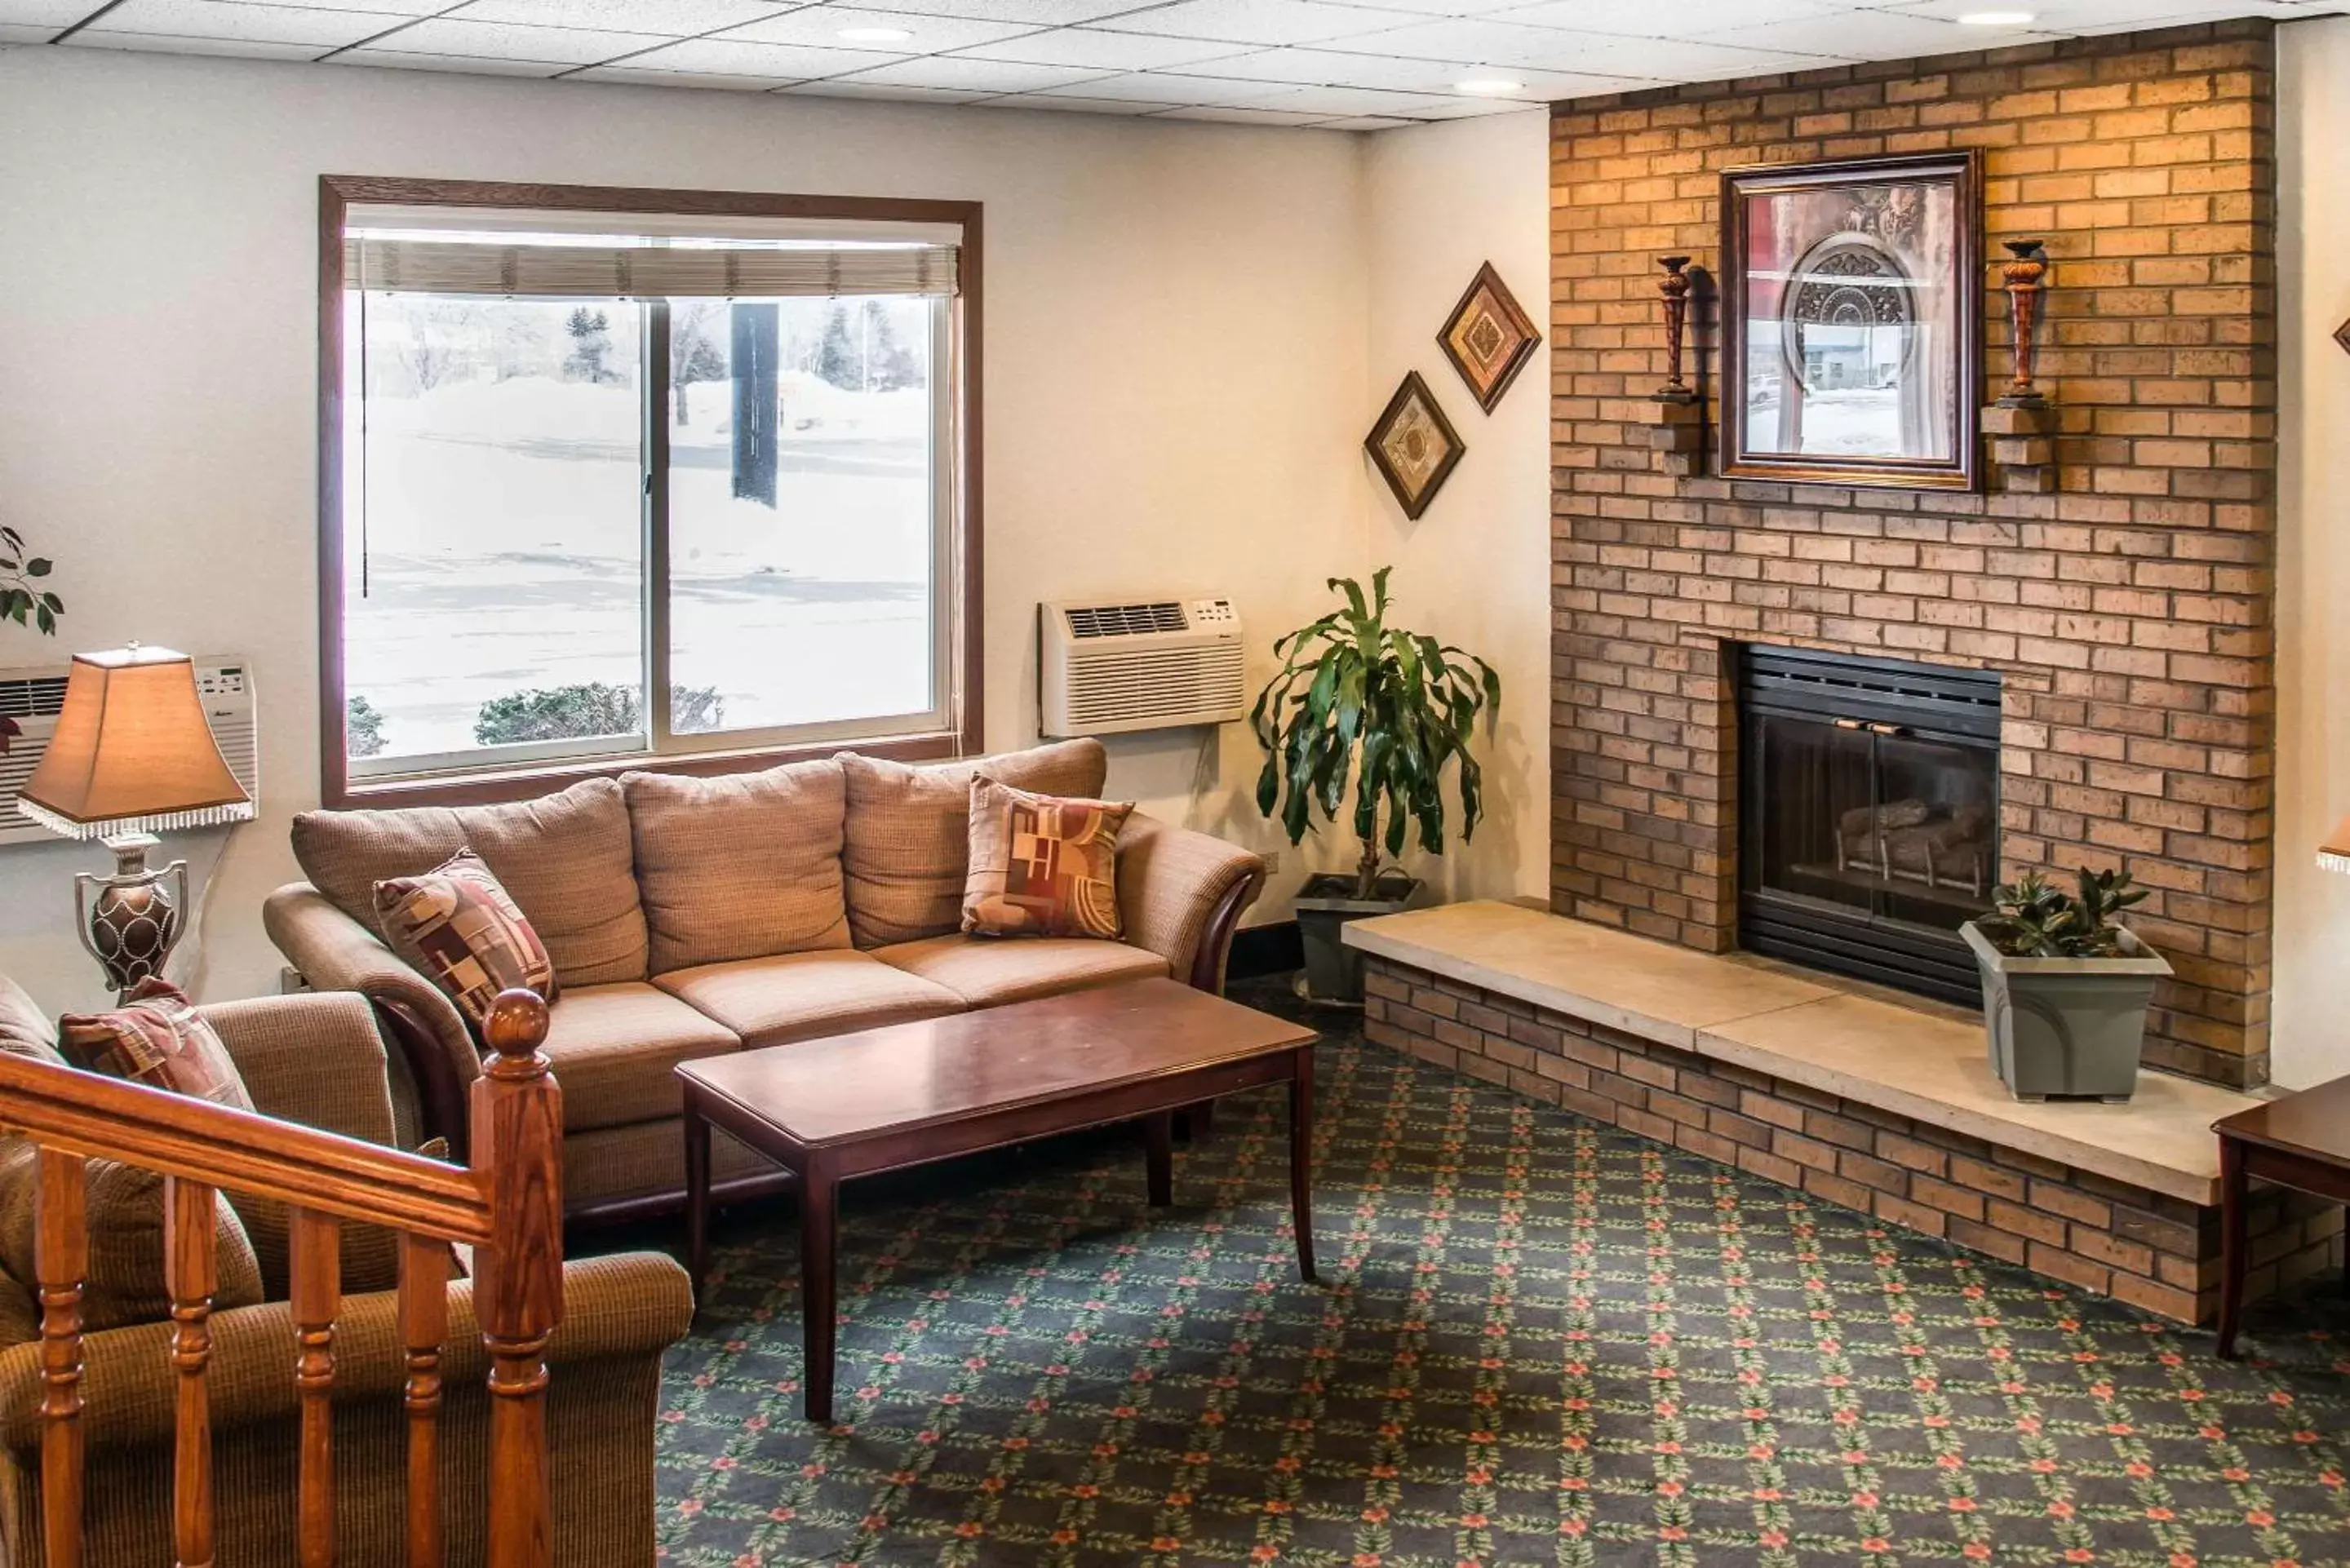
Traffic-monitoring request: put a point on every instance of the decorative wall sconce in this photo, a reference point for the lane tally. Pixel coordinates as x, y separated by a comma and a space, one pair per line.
2021, 274
1677, 429
2021, 425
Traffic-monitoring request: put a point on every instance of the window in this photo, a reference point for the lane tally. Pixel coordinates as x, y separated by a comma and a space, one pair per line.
627, 479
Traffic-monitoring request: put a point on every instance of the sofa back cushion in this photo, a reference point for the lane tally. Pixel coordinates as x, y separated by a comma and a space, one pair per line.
739, 865
906, 848
566, 859
123, 1214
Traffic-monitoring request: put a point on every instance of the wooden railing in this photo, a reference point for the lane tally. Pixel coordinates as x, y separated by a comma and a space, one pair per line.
508, 1207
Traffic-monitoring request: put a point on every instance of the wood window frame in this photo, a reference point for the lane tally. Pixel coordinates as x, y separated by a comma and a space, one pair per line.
339, 192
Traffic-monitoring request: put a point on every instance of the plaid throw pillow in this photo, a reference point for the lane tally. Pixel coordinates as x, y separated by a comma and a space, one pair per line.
459, 927
1042, 864
156, 1038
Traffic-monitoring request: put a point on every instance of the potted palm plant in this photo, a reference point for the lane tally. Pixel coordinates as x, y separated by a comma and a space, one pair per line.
2065, 986
1359, 701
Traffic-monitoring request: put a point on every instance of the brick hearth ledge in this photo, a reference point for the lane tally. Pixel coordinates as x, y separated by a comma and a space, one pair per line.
1883, 1106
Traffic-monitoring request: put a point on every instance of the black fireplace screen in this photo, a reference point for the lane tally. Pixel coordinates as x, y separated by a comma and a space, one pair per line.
1869, 815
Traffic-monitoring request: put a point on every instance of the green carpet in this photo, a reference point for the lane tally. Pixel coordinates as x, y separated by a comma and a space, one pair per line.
1537, 1340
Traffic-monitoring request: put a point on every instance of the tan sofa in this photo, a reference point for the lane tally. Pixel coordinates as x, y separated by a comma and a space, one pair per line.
691, 917
315, 1060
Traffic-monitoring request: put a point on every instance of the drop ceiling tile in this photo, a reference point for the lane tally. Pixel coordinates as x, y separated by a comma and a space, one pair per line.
462, 65
2094, 15
954, 71
1484, 40
169, 43
229, 21
1258, 21
737, 58
1651, 19
1225, 116
1072, 103
51, 14
514, 41
629, 76
820, 26
1334, 67
25, 33
1365, 122
842, 87
1104, 51
1877, 35
1035, 13
669, 18
1168, 88
1340, 102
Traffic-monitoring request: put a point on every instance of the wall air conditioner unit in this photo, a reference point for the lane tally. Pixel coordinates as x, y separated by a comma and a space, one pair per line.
33, 698
1108, 666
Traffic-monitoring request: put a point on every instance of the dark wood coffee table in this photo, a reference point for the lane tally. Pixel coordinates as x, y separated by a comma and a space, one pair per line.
908, 1094
2299, 1140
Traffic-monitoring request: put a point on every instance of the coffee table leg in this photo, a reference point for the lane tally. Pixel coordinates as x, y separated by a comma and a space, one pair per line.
697, 1194
2234, 1192
817, 1210
1300, 1157
1158, 1157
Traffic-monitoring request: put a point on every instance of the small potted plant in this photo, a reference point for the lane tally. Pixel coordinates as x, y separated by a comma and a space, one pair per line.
2065, 988
1354, 690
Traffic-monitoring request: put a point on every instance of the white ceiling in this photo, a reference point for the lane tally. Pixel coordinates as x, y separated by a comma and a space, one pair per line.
1349, 64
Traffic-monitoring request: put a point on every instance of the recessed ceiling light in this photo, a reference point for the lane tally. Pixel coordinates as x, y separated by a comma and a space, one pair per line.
1489, 87
1995, 18
875, 35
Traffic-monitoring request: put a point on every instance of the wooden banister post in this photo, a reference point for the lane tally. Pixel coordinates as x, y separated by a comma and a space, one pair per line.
61, 1258
516, 1150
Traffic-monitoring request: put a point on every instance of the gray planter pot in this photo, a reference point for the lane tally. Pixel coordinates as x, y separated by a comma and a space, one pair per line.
2066, 1026
1333, 972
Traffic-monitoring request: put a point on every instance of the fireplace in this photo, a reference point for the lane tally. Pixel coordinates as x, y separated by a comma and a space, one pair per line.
1868, 814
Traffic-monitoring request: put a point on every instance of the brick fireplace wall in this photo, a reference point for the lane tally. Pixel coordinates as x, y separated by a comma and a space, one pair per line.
2129, 610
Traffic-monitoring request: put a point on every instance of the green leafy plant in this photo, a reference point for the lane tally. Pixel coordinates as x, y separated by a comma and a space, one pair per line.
1358, 698
593, 707
362, 728
2035, 919
20, 600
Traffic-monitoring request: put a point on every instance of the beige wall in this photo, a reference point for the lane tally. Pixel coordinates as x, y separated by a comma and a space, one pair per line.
1180, 366
2311, 999
1475, 568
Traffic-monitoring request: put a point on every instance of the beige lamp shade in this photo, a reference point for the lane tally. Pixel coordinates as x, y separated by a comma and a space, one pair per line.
133, 753
2334, 855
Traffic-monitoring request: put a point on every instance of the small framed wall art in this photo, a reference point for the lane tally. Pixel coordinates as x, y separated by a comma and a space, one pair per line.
1487, 337
1413, 445
1852, 323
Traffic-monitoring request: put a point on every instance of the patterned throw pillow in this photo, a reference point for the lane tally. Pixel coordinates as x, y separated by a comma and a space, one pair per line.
156, 1038
1042, 864
459, 928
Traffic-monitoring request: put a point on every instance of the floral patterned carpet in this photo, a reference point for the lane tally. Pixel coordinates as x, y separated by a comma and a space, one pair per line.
1536, 1340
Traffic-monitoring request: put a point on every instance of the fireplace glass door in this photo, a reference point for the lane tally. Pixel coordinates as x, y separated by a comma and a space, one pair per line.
1870, 816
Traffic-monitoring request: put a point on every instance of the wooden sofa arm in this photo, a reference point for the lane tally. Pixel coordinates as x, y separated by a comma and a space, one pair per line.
1182, 895
335, 952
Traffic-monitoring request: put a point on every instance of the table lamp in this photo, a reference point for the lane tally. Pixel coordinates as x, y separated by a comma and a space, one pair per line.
132, 754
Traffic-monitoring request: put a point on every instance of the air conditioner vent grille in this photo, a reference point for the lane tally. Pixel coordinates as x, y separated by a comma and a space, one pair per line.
33, 697
1124, 620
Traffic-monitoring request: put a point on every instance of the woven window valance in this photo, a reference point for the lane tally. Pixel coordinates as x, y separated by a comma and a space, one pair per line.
487, 267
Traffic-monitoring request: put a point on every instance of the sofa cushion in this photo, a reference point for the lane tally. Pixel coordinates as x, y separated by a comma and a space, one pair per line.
805, 996
156, 1037
459, 927
1042, 864
740, 866
908, 842
989, 973
123, 1214
612, 1047
566, 859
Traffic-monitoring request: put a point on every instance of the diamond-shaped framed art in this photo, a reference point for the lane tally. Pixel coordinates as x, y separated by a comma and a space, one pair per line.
1487, 337
1413, 445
